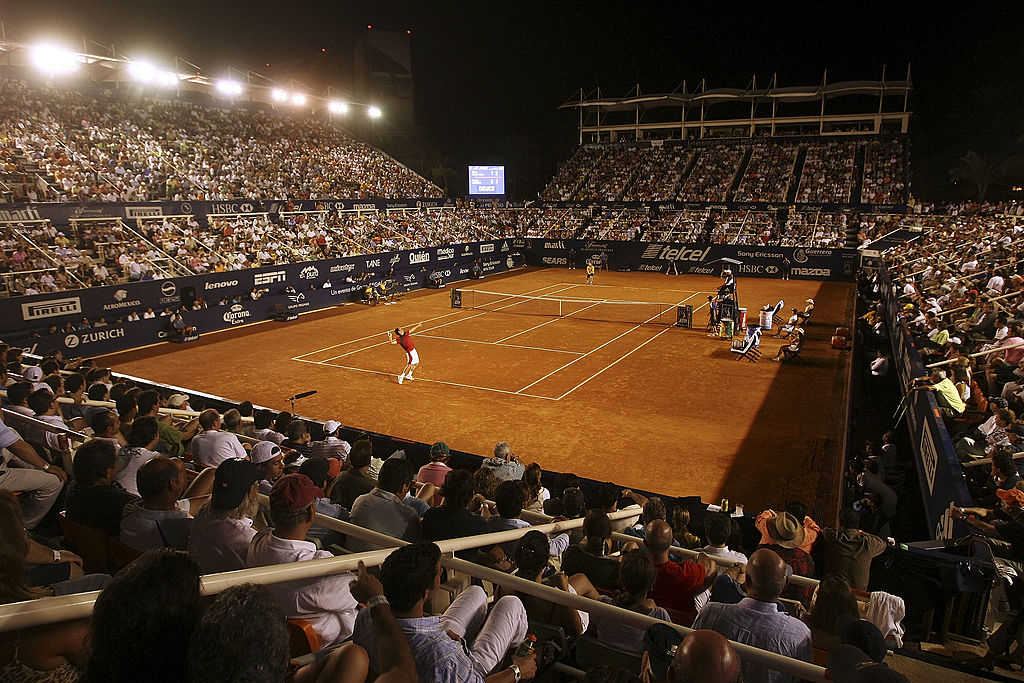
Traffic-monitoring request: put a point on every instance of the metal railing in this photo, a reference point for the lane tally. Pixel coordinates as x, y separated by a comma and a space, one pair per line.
44, 611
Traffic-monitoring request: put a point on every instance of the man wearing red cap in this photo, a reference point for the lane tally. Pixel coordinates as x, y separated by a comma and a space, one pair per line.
324, 602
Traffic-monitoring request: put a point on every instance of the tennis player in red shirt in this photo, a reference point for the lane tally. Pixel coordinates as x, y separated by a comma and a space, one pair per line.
404, 339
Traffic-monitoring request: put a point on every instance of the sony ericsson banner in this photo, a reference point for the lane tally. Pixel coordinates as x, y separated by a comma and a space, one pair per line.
939, 473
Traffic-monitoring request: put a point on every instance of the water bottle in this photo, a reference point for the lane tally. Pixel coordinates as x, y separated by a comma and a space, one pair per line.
525, 648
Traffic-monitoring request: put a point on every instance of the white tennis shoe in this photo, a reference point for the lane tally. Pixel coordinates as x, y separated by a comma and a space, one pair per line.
401, 378
409, 377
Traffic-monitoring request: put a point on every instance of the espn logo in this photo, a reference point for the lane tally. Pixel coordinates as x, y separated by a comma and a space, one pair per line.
51, 308
267, 278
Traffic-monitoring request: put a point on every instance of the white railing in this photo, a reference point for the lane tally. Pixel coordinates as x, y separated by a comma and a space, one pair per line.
43, 611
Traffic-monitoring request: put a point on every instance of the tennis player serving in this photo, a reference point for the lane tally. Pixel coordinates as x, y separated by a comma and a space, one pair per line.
404, 339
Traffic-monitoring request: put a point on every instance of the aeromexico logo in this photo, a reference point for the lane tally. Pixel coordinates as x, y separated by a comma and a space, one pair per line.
121, 301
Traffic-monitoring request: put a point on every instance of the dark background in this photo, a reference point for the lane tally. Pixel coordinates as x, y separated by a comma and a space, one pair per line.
489, 76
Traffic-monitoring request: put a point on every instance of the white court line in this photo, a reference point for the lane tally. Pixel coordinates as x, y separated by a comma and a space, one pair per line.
371, 336
513, 346
548, 322
435, 327
621, 358
421, 379
646, 289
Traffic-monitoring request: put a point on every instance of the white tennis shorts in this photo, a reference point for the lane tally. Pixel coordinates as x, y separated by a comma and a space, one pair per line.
412, 357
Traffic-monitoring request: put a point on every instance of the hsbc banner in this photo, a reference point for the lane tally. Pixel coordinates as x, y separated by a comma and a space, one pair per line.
697, 259
61, 214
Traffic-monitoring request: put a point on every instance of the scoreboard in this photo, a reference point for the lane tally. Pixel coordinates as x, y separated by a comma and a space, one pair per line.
487, 180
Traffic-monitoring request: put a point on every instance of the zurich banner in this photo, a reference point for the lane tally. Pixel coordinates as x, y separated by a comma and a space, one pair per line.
94, 321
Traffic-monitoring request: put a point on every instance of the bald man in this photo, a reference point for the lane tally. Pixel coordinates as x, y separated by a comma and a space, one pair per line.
705, 657
677, 582
755, 620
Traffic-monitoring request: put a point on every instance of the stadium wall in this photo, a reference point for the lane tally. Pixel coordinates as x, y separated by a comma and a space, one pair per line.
20, 317
695, 259
938, 471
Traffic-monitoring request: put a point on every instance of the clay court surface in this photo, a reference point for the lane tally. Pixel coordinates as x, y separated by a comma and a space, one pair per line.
649, 406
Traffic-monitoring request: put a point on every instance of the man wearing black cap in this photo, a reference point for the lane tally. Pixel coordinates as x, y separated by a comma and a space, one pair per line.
222, 529
325, 602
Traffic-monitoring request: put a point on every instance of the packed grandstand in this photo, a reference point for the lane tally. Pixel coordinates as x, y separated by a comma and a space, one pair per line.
150, 470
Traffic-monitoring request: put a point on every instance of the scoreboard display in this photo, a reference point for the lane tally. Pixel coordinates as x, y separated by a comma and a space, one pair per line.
487, 180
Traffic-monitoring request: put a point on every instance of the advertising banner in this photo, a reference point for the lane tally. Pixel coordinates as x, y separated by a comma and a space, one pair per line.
939, 474
697, 259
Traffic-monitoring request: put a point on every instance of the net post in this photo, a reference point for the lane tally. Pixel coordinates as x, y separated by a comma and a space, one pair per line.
684, 316
456, 298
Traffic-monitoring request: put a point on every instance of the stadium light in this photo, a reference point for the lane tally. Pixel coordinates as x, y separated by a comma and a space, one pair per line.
54, 60
230, 88
373, 112
143, 72
167, 79
338, 107
299, 100
279, 95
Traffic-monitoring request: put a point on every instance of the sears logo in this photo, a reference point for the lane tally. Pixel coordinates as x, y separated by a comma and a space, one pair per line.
120, 295
343, 268
552, 261
51, 308
486, 248
221, 285
554, 245
168, 288
504, 246
445, 253
267, 278
419, 257
800, 256
236, 315
813, 272
309, 273
143, 211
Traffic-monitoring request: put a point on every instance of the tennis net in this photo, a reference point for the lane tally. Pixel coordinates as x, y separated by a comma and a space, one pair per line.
604, 310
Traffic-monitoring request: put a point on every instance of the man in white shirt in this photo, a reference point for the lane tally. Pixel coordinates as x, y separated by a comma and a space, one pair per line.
324, 602
717, 529
211, 446
39, 482
332, 446
222, 529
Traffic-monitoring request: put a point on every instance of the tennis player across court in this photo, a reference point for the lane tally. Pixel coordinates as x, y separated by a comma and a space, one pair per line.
403, 337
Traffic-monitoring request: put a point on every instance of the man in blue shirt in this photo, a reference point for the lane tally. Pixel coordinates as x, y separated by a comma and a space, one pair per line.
755, 620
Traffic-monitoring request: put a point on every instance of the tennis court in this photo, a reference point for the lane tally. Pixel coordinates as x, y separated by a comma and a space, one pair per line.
568, 374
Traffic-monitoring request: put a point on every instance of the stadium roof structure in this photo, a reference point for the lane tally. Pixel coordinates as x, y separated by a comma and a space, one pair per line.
117, 69
673, 114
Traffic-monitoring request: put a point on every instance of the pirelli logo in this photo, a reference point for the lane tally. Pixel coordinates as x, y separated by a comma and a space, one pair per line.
51, 309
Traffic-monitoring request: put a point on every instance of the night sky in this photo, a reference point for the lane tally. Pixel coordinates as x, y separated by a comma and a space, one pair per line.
489, 76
